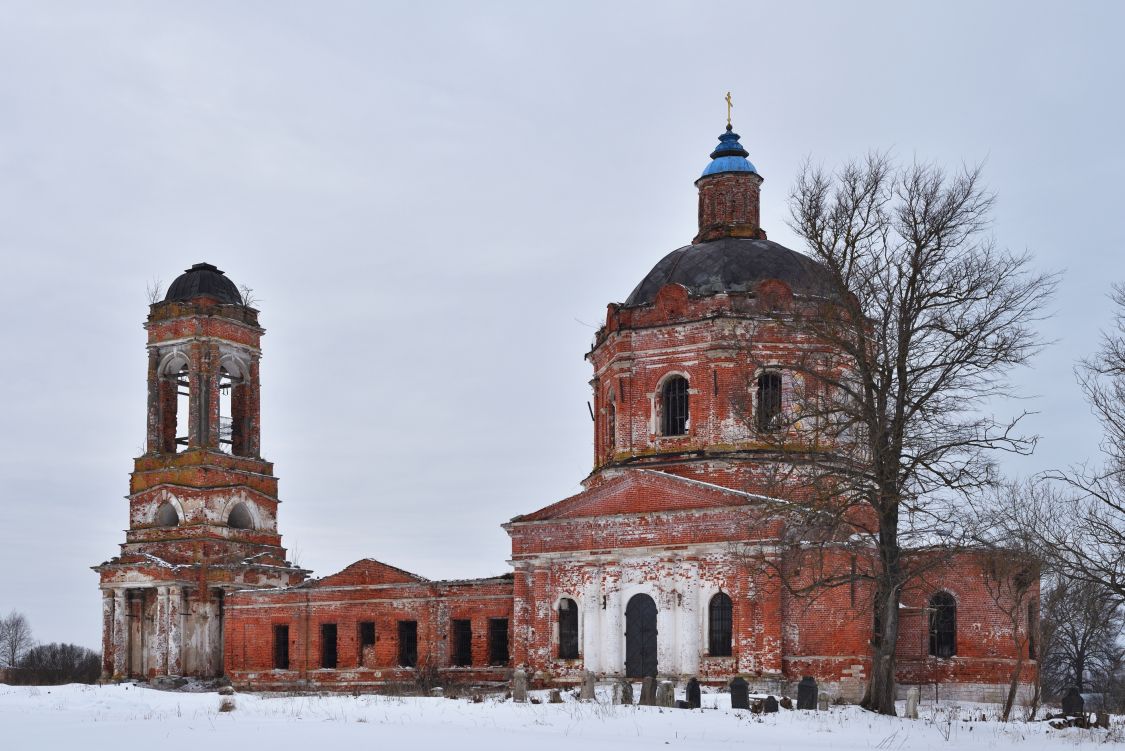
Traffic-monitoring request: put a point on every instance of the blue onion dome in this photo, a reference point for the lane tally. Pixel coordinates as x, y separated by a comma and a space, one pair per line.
729, 156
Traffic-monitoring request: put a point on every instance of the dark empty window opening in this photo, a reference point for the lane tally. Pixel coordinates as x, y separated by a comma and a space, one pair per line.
1032, 630
568, 629
408, 643
462, 642
498, 641
674, 414
366, 638
281, 647
166, 515
328, 646
719, 620
240, 518
943, 625
769, 401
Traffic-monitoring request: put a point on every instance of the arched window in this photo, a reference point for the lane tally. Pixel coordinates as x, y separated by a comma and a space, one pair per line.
175, 404
240, 517
768, 409
166, 515
568, 629
719, 626
674, 412
943, 625
611, 426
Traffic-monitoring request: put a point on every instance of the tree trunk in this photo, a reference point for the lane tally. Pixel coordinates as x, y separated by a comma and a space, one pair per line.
879, 695
1013, 687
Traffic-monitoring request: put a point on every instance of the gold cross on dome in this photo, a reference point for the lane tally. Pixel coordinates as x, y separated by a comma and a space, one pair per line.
729, 105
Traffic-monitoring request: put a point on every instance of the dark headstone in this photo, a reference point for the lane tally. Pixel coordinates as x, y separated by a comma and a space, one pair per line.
770, 705
739, 694
692, 693
1072, 702
806, 693
648, 692
1102, 720
785, 702
681, 704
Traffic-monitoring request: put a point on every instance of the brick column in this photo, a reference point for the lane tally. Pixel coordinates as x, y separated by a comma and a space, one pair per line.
175, 631
120, 638
107, 633
155, 439
160, 632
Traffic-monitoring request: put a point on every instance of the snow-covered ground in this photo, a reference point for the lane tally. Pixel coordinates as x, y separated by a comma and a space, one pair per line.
124, 717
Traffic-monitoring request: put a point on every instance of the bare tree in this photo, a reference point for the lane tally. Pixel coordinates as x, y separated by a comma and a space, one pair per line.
154, 290
15, 639
1086, 622
925, 319
1011, 578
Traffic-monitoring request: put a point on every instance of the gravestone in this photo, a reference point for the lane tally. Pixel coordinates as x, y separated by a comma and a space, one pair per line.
770, 705
1101, 720
692, 693
648, 692
519, 685
785, 702
806, 693
555, 697
822, 702
587, 692
912, 695
1072, 702
681, 704
666, 694
623, 692
739, 694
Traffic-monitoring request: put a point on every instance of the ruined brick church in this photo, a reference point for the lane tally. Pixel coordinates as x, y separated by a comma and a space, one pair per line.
644, 572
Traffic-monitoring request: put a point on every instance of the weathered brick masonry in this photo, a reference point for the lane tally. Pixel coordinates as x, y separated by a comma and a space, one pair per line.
670, 561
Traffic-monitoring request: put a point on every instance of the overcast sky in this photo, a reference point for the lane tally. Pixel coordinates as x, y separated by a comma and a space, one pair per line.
433, 204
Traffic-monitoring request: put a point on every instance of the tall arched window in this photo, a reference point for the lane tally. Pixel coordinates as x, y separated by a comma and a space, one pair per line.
611, 426
674, 412
769, 401
719, 626
943, 625
175, 404
568, 629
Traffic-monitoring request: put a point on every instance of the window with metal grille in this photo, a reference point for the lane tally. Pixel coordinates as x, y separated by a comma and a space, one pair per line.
674, 399
281, 647
328, 646
769, 401
366, 638
408, 643
568, 629
943, 625
719, 619
498, 641
462, 636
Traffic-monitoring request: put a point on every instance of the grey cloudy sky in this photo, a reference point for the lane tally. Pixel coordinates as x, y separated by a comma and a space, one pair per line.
434, 202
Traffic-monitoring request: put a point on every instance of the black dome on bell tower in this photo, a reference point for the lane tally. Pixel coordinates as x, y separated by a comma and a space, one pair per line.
203, 280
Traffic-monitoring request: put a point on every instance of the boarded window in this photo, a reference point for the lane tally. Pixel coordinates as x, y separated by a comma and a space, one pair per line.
408, 643
328, 646
281, 647
769, 401
366, 639
498, 641
943, 625
719, 619
568, 629
462, 636
674, 398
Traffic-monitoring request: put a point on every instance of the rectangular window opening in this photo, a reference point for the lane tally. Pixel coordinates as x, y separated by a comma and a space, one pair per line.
498, 641
281, 647
366, 638
328, 646
462, 643
408, 643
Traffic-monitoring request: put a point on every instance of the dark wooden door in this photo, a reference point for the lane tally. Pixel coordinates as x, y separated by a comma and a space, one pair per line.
640, 637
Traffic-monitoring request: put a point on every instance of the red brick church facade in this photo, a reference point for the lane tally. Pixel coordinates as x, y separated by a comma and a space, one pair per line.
656, 567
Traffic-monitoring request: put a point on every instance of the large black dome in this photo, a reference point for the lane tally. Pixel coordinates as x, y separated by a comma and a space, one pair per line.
203, 279
733, 264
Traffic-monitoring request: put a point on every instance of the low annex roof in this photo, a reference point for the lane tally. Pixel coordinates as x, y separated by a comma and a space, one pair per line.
645, 491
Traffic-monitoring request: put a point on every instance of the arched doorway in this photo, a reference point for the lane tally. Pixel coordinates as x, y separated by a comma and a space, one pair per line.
640, 637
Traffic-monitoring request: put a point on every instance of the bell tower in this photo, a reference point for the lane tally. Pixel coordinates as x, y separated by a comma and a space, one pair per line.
202, 501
